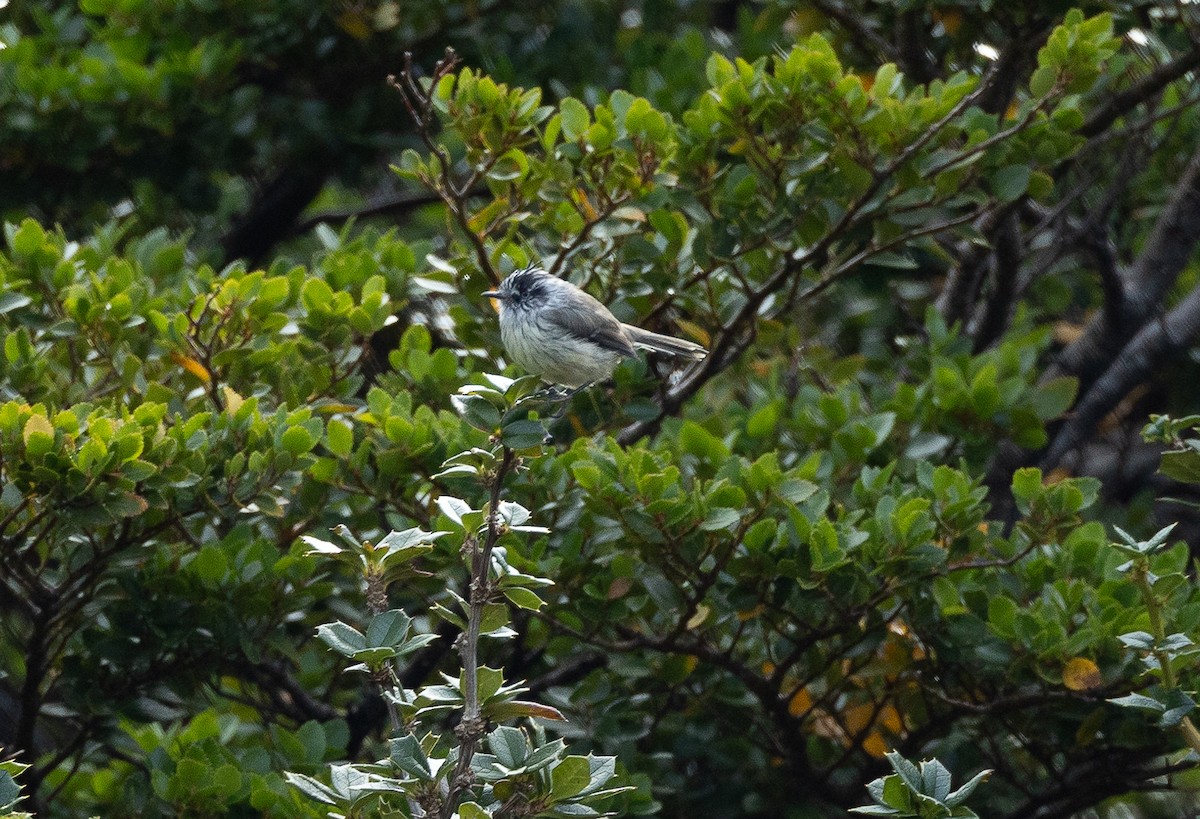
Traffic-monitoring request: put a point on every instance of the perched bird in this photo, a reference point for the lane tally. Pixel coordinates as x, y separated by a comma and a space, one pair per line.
553, 329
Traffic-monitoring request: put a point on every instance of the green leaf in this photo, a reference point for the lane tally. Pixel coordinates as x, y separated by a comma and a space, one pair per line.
13, 301
896, 794
1139, 701
339, 437
10, 791
472, 810
1054, 397
477, 411
524, 598
720, 518
387, 629
569, 777
935, 779
298, 440
316, 295
509, 745
342, 638
38, 434
311, 788
1002, 616
1026, 486
575, 118
696, 440
906, 770
953, 800
524, 434
1180, 465
1010, 182
407, 754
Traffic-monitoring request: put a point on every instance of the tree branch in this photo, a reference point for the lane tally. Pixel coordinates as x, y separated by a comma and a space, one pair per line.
1156, 341
1122, 102
1006, 270
1145, 283
401, 204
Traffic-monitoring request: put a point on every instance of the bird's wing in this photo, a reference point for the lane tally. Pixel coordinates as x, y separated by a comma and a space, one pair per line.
596, 325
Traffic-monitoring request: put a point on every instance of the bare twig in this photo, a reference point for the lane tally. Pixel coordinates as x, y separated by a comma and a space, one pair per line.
856, 23
418, 101
400, 204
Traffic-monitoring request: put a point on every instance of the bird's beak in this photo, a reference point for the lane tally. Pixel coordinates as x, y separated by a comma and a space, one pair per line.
491, 294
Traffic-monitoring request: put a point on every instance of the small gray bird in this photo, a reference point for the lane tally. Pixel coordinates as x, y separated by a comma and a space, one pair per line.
553, 329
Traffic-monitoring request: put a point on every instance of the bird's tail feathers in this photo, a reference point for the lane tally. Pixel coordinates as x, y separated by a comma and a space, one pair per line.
664, 344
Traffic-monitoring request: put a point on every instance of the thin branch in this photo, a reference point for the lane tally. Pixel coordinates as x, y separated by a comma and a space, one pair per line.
419, 102
400, 204
856, 23
1122, 102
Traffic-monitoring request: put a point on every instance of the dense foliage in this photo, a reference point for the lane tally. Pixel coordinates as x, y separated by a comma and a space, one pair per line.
875, 525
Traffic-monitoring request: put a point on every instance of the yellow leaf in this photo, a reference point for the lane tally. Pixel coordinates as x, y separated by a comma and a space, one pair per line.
630, 213
37, 425
857, 717
695, 331
330, 409
768, 668
1081, 674
233, 401
874, 745
192, 366
354, 23
889, 718
1065, 332
800, 703
950, 19
697, 619
750, 614
581, 199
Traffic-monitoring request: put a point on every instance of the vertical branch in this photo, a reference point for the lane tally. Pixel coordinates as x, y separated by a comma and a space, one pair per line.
471, 728
385, 678
997, 310
1141, 578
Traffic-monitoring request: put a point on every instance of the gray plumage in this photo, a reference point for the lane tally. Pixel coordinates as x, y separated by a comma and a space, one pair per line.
553, 329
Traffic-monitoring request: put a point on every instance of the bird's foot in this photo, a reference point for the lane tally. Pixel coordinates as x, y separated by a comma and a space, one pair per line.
559, 393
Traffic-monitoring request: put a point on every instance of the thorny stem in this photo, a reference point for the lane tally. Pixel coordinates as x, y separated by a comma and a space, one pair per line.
471, 727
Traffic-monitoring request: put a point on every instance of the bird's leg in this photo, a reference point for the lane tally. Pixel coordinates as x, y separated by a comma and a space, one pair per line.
557, 393
571, 393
